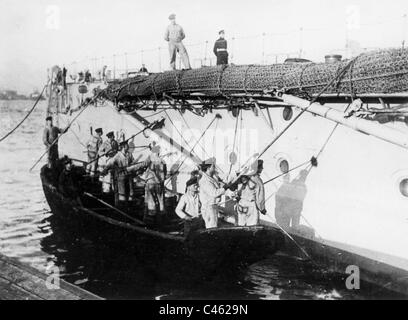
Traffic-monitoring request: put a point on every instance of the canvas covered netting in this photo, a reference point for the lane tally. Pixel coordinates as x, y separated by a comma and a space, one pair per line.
375, 72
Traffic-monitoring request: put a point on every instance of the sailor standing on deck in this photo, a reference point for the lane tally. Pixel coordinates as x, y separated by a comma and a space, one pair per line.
154, 189
174, 36
251, 197
50, 136
112, 146
93, 146
67, 182
189, 207
220, 49
107, 151
210, 193
119, 163
129, 176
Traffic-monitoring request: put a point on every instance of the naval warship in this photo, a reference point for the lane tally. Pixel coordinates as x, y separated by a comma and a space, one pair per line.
333, 137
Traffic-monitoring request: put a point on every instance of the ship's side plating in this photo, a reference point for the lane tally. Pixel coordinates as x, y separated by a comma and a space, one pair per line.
354, 201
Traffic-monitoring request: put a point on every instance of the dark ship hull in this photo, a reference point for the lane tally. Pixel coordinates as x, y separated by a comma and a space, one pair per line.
203, 251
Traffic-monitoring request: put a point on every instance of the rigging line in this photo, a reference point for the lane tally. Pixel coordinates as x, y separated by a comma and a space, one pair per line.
69, 125
339, 75
235, 138
331, 134
155, 114
150, 126
115, 209
295, 242
192, 132
26, 116
217, 116
178, 131
283, 174
202, 148
77, 138
215, 133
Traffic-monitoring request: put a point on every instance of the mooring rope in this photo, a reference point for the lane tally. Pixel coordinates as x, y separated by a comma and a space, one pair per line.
84, 107
26, 116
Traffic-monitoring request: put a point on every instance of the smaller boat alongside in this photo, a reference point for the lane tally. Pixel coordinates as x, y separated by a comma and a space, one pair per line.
205, 250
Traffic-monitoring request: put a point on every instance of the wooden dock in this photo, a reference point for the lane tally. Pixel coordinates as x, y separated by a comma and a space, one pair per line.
22, 282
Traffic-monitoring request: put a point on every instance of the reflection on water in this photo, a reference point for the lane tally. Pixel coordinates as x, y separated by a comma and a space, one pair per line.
29, 232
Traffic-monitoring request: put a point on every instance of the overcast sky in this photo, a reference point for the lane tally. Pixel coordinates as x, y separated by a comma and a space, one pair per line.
37, 34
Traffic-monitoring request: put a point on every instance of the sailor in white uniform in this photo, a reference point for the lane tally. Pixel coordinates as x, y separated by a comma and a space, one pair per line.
211, 191
251, 197
189, 207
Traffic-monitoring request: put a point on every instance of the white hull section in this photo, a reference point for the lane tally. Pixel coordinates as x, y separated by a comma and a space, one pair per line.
352, 198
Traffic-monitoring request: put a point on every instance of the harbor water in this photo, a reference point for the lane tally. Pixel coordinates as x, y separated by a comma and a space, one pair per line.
28, 232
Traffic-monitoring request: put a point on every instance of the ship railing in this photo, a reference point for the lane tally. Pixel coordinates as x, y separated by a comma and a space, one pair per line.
273, 47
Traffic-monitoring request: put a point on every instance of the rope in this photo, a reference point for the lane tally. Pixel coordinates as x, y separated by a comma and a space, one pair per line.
180, 134
25, 118
289, 171
188, 126
303, 111
69, 125
185, 158
235, 138
215, 133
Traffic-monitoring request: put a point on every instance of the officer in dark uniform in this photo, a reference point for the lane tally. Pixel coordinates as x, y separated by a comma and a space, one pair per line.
220, 49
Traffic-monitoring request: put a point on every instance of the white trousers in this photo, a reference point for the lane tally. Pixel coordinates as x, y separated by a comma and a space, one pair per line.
251, 217
175, 47
209, 213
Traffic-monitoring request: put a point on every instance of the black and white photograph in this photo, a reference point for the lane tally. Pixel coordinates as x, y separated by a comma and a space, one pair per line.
212, 151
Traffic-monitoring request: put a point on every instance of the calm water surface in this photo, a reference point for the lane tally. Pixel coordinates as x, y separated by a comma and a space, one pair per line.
29, 233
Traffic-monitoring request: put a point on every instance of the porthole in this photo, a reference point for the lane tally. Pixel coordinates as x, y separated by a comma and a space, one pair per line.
403, 186
283, 166
147, 133
287, 113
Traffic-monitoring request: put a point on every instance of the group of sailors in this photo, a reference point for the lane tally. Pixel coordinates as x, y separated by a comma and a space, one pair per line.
113, 163
175, 35
201, 202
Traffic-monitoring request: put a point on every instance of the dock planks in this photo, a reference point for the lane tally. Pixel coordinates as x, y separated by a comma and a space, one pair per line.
22, 282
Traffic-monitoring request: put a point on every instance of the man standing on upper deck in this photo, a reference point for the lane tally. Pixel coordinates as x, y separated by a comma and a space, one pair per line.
50, 137
174, 36
220, 49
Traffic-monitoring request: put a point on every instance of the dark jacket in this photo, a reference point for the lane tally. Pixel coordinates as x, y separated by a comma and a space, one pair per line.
67, 185
219, 44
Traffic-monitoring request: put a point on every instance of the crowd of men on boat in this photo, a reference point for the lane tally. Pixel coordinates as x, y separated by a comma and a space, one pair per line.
112, 162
